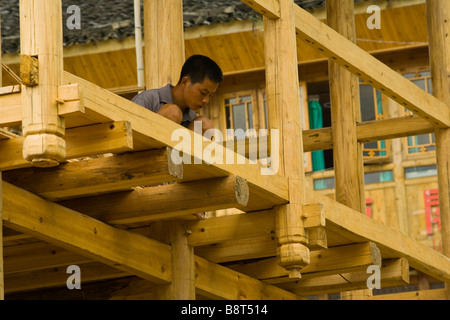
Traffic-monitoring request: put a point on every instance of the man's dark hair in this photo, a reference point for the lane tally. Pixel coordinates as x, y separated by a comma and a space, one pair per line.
198, 67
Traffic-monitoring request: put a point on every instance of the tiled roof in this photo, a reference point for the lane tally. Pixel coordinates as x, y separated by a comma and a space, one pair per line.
114, 19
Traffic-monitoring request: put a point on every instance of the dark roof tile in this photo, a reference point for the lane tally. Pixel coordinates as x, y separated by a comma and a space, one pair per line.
114, 19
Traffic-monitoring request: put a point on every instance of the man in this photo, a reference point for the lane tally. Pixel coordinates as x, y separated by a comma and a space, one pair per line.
200, 77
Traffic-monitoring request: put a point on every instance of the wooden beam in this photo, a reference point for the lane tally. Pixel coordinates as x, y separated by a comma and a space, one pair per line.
351, 258
157, 131
121, 249
229, 284
41, 46
114, 137
241, 249
368, 131
21, 282
245, 225
393, 244
365, 66
164, 201
394, 272
268, 8
124, 250
37, 256
99, 175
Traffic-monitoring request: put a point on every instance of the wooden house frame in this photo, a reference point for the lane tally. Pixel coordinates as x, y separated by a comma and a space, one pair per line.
90, 212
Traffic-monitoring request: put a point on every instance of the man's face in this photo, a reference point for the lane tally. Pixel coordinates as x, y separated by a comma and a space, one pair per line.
198, 95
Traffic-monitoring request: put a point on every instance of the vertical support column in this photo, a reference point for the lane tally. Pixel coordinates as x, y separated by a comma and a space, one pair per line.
182, 286
345, 113
164, 42
438, 16
164, 58
41, 70
282, 89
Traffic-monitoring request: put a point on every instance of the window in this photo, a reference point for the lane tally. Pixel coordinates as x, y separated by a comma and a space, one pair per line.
420, 172
239, 113
369, 178
372, 109
422, 143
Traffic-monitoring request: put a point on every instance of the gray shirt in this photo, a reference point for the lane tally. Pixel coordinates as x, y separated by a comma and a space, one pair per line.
154, 99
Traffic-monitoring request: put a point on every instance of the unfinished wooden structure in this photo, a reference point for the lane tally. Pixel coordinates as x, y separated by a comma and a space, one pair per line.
290, 243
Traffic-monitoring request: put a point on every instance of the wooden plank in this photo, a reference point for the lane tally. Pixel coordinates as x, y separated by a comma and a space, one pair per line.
50, 222
268, 8
394, 272
166, 201
158, 131
115, 137
365, 66
392, 243
89, 177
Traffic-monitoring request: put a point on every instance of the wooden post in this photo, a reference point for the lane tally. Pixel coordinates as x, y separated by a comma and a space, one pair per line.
41, 71
282, 89
164, 58
438, 16
345, 114
164, 42
182, 286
